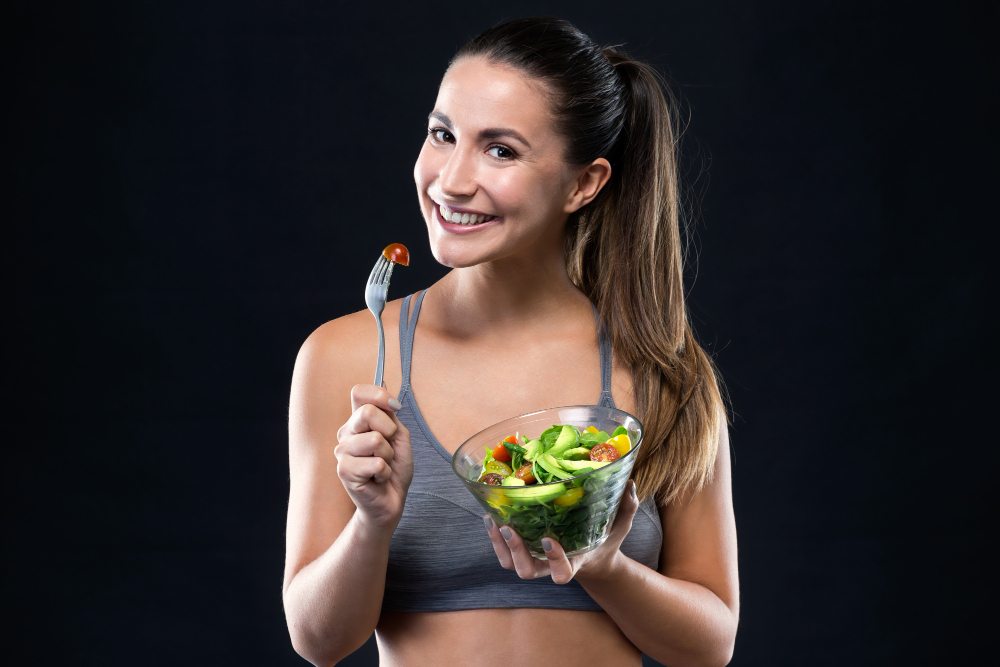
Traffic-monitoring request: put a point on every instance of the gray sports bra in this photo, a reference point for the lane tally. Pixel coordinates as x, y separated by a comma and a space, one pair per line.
441, 558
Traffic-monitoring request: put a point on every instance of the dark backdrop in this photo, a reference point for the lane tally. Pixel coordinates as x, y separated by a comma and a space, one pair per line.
198, 185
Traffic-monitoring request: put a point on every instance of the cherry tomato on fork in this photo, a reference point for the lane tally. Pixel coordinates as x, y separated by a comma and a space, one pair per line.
397, 253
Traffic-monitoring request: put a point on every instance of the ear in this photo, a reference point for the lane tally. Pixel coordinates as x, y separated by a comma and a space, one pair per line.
588, 182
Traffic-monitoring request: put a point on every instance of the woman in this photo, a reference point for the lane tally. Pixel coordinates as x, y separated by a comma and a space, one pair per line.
548, 183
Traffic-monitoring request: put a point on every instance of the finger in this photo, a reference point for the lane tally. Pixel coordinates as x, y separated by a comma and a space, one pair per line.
377, 396
371, 443
526, 565
560, 568
362, 470
499, 545
368, 417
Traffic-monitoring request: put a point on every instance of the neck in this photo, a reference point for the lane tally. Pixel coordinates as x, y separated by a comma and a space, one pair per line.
506, 295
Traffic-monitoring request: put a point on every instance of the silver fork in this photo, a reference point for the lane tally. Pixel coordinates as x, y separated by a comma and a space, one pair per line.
376, 292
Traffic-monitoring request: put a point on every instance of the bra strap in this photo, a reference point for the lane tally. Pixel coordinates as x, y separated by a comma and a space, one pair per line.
407, 327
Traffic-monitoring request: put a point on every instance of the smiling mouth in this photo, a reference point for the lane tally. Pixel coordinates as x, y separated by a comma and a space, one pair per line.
466, 219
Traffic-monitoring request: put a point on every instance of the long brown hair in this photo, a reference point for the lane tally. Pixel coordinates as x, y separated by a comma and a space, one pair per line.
624, 249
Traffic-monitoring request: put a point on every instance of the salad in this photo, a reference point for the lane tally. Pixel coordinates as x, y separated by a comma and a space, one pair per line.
550, 485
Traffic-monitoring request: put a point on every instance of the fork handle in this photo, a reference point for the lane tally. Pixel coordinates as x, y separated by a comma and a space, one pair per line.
380, 366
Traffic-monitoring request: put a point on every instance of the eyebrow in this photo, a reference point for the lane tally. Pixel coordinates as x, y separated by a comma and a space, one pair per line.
488, 133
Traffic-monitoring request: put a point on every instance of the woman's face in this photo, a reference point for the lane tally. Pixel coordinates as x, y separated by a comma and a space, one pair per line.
491, 177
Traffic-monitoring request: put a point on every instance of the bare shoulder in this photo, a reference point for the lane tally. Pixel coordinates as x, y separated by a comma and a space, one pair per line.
337, 344
342, 352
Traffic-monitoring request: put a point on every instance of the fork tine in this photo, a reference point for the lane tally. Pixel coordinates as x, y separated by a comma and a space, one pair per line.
388, 274
384, 267
379, 265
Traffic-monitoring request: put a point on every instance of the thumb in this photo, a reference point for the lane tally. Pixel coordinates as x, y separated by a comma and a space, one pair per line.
626, 513
401, 443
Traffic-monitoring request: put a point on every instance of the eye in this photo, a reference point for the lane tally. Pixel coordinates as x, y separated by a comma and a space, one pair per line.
501, 152
440, 135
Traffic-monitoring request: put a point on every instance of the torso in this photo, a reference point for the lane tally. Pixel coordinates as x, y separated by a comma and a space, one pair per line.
502, 637
456, 385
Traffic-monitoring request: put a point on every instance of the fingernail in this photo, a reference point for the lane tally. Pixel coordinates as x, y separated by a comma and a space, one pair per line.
505, 531
489, 522
635, 494
546, 544
395, 404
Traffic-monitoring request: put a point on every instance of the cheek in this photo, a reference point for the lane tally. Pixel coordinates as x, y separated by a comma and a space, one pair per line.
424, 168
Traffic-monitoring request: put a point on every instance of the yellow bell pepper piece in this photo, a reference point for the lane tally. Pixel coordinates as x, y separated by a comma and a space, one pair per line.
571, 497
622, 443
591, 429
496, 498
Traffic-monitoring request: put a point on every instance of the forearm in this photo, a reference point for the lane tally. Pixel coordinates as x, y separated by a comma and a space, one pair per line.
673, 621
332, 604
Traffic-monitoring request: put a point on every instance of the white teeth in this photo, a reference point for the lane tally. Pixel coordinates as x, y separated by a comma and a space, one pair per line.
463, 218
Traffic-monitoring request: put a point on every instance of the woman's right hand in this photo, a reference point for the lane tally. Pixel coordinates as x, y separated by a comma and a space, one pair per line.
373, 457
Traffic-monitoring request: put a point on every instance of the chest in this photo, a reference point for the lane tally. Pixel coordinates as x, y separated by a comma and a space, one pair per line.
463, 390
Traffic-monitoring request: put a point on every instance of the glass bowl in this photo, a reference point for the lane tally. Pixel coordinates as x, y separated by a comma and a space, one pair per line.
577, 512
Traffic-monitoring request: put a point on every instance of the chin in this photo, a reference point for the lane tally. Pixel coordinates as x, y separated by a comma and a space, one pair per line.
453, 260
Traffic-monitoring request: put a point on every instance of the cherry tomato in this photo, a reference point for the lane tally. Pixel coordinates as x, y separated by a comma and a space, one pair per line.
397, 253
512, 439
492, 478
604, 452
524, 472
500, 453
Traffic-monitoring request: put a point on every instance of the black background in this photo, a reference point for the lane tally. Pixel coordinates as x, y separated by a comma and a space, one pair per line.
198, 185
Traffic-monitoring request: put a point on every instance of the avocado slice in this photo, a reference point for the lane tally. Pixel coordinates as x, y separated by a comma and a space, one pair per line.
513, 481
575, 453
532, 449
568, 438
582, 465
550, 465
535, 494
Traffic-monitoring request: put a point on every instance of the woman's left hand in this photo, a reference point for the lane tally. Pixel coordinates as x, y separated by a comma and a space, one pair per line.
514, 555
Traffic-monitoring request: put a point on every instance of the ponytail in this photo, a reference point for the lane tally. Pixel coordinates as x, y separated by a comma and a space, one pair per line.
625, 253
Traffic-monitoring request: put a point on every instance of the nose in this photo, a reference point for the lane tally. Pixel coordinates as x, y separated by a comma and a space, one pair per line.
457, 177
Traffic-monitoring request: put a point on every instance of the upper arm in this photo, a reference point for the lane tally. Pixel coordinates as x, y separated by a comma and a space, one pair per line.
326, 368
699, 533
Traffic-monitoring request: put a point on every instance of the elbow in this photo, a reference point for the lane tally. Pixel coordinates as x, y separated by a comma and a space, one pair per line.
723, 651
320, 651
321, 647
311, 649
720, 657
717, 652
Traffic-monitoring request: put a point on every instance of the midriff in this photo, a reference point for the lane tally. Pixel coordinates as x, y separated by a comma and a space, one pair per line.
503, 637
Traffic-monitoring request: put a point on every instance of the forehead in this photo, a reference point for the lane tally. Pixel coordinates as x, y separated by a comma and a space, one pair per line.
477, 93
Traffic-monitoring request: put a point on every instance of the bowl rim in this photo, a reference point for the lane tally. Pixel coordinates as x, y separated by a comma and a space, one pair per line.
582, 475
